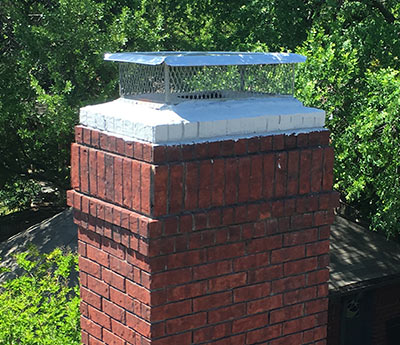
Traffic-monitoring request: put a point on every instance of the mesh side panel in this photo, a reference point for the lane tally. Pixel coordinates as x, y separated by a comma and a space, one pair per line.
174, 84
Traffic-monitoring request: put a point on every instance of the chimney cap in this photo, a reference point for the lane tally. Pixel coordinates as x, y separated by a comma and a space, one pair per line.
211, 58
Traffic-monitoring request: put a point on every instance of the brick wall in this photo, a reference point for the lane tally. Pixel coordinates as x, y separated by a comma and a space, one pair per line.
210, 243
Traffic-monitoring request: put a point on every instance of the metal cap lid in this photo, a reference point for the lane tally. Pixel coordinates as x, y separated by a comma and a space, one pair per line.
205, 58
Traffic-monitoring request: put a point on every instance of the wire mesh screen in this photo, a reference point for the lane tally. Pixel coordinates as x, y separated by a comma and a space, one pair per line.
173, 84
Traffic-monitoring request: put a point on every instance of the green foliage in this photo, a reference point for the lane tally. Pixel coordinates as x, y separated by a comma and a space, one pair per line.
39, 307
352, 72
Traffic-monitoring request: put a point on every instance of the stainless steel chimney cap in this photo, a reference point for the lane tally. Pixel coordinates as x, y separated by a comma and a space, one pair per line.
205, 58
175, 77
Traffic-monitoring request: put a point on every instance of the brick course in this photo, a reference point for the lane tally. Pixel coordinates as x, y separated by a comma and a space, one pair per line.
210, 243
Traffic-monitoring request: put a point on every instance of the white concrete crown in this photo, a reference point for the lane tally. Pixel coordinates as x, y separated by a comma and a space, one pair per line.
196, 121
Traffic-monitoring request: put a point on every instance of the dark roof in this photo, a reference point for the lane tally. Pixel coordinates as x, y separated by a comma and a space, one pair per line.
360, 258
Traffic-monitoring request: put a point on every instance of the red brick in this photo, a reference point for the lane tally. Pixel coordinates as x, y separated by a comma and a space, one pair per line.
124, 332
90, 297
269, 176
190, 258
89, 267
316, 306
251, 261
253, 145
327, 174
227, 147
184, 338
318, 277
90, 327
175, 277
227, 313
291, 339
111, 339
226, 251
324, 218
79, 134
186, 291
301, 221
122, 267
250, 322
240, 147
138, 292
109, 174
176, 188
213, 332
101, 175
218, 180
244, 179
265, 274
305, 172
298, 325
205, 172
98, 286
299, 295
323, 261
113, 248
83, 308
317, 248
208, 302
300, 266
118, 183
99, 317
159, 154
286, 313
136, 168
173, 153
264, 304
191, 185
113, 279
84, 169
121, 299
171, 310
300, 237
280, 174
211, 270
200, 221
147, 152
287, 254
264, 244
187, 152
251, 292
139, 325
145, 188
97, 255
278, 142
290, 141
293, 173
114, 311
264, 334
256, 175
232, 340
227, 282
307, 204
316, 170
75, 178
231, 181
289, 283
322, 290
185, 323
266, 143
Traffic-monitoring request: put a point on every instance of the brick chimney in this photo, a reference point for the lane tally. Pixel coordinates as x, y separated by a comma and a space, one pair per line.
213, 229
